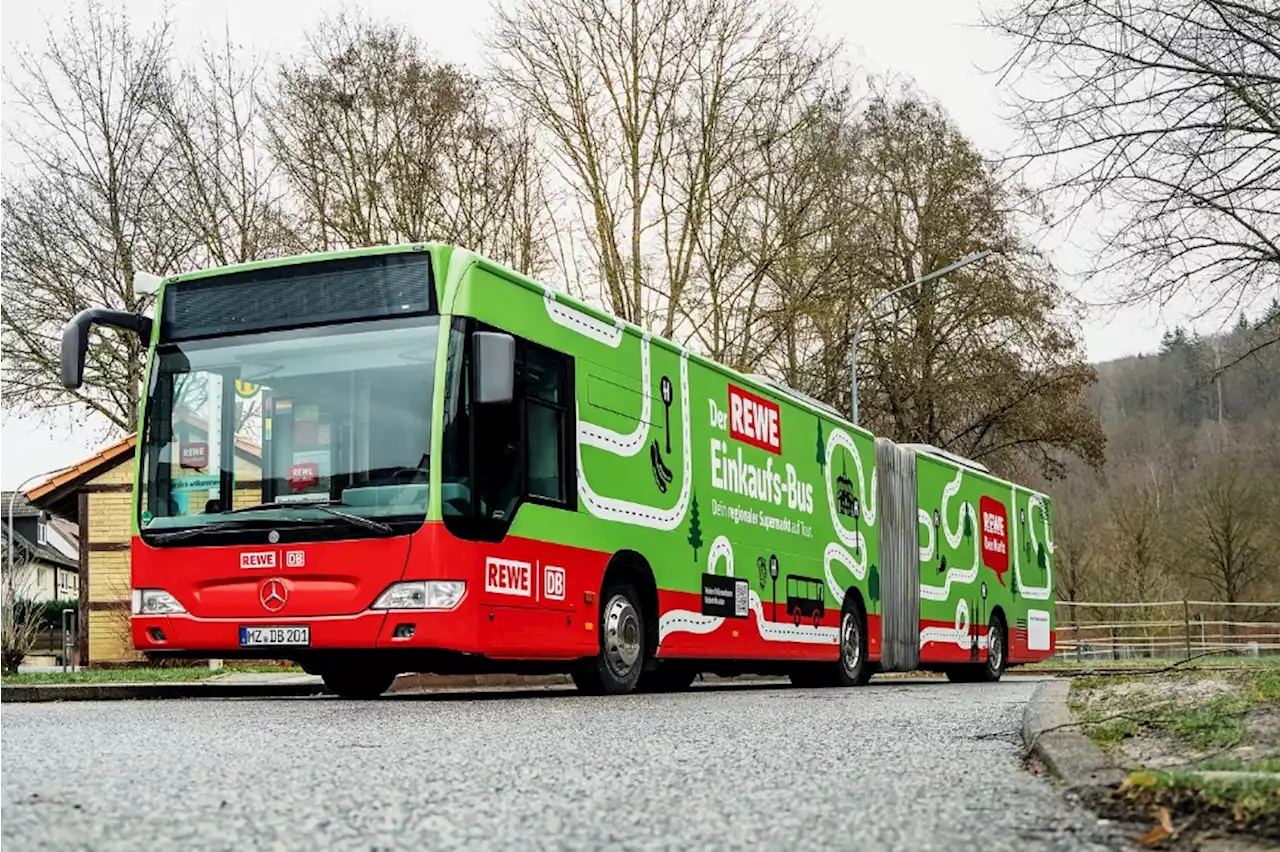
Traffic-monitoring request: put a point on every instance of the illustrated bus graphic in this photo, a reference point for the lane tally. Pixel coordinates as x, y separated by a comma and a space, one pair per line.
456, 469
806, 599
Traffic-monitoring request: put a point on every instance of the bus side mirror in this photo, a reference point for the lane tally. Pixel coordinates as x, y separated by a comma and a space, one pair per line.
495, 364
75, 338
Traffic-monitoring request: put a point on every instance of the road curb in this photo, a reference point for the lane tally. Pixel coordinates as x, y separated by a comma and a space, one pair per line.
1051, 733
33, 693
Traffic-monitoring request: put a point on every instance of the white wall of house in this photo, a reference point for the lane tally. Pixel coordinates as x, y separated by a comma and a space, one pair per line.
38, 581
66, 546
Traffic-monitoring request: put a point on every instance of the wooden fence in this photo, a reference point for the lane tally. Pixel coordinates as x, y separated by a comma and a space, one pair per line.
1095, 630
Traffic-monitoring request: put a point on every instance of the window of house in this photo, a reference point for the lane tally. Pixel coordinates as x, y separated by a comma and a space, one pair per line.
42, 531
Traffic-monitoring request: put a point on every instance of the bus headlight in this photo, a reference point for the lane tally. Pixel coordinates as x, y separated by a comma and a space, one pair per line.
422, 594
155, 602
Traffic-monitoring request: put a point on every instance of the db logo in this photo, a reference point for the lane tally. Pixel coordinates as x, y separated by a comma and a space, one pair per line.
295, 558
553, 583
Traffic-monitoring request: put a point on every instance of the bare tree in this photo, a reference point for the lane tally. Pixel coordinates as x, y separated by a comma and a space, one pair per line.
20, 612
1166, 114
227, 191
379, 144
1138, 541
90, 210
1226, 526
984, 362
658, 114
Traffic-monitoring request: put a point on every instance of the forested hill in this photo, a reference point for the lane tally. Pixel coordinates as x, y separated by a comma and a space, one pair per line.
1187, 500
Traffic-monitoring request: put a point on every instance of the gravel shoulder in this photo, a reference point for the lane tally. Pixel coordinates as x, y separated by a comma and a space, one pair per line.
1200, 752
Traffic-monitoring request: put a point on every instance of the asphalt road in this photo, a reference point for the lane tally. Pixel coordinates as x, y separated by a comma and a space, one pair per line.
910, 765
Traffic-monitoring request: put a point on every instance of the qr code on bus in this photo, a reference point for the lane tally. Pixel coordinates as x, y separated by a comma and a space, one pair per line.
740, 592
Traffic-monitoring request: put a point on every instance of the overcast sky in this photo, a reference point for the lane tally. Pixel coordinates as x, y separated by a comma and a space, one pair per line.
934, 42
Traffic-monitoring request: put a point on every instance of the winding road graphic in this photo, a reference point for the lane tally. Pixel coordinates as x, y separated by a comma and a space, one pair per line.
685, 621
1035, 508
836, 551
620, 444
628, 444
964, 576
628, 511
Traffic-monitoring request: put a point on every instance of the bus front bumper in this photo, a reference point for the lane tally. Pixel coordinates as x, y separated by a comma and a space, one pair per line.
264, 638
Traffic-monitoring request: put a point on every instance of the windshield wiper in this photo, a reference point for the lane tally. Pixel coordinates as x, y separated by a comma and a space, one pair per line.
187, 532
217, 526
327, 508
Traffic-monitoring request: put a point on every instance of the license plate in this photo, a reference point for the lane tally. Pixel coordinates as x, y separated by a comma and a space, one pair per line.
274, 636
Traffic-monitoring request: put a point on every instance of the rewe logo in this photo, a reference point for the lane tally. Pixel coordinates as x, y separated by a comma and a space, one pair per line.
553, 583
754, 421
995, 536
258, 559
508, 577
195, 456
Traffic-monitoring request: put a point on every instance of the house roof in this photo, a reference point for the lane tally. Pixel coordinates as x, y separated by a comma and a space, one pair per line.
22, 507
52, 494
98, 463
41, 552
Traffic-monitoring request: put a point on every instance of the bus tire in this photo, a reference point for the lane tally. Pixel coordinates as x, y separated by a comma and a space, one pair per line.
853, 669
997, 657
616, 667
358, 683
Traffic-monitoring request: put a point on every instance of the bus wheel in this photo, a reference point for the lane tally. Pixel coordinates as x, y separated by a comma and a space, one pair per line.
358, 683
997, 658
854, 669
615, 670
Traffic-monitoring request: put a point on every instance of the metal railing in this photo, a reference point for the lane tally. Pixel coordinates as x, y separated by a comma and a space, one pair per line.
1167, 630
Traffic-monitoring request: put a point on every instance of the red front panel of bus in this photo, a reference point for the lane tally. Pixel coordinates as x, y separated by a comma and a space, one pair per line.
524, 598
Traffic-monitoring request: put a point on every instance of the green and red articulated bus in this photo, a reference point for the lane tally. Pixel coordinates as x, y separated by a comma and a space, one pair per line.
412, 459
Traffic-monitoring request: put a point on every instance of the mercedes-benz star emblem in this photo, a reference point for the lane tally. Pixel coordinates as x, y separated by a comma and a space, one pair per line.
273, 595
273, 536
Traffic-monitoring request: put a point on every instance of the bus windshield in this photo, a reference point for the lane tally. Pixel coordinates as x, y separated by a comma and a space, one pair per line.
290, 426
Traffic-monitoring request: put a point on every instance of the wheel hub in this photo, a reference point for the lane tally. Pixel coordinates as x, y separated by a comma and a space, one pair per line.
622, 635
850, 642
995, 650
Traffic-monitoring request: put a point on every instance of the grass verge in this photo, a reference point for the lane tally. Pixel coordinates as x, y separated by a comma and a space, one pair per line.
1065, 663
1201, 748
160, 674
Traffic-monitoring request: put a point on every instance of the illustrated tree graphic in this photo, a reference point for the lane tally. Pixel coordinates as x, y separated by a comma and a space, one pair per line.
873, 587
1042, 562
968, 523
695, 528
822, 449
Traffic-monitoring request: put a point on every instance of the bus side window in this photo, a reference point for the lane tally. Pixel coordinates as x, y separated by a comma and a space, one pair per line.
545, 380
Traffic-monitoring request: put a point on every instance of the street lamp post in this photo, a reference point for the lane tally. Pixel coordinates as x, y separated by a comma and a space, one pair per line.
857, 331
13, 497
